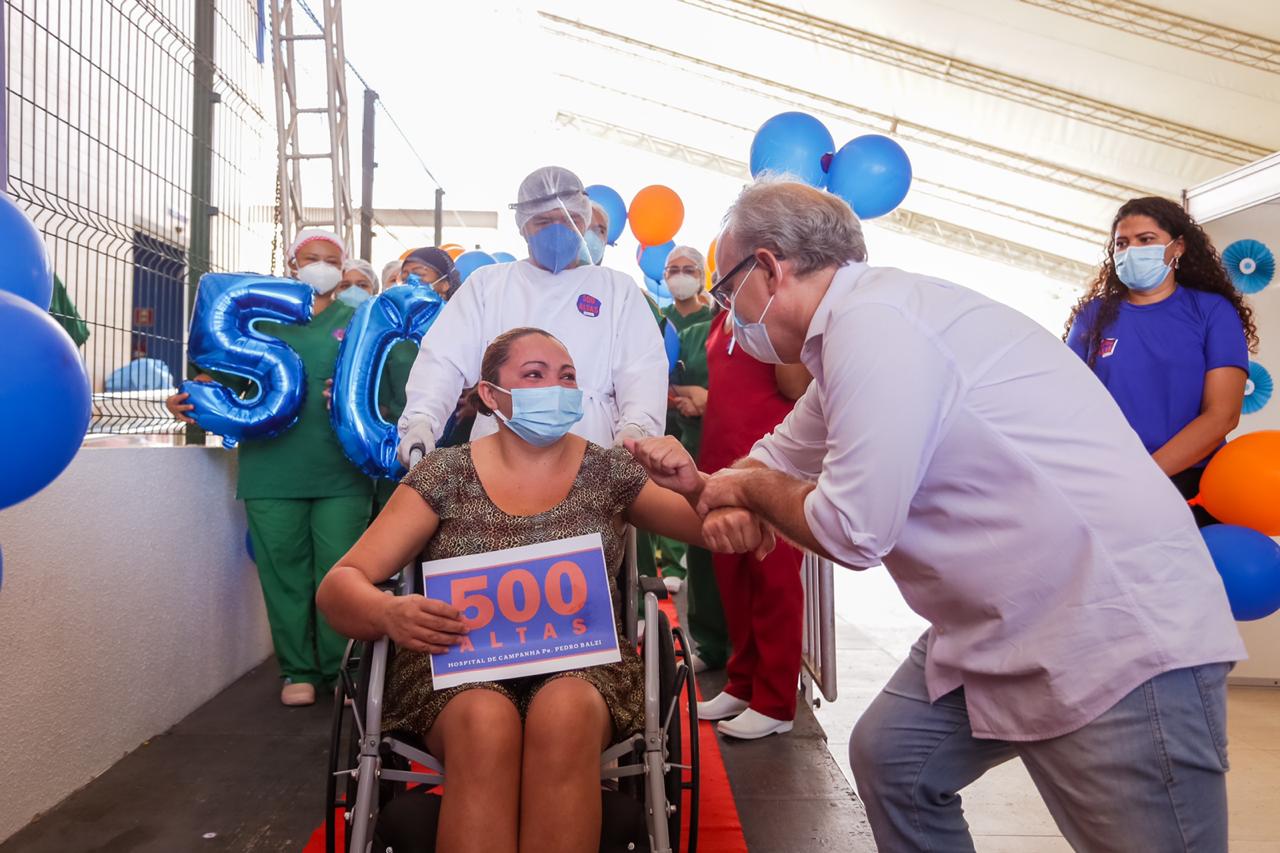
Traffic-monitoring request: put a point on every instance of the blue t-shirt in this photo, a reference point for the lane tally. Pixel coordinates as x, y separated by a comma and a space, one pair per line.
1153, 358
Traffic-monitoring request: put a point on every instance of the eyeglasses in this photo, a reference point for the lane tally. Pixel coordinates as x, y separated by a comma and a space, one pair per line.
694, 271
721, 292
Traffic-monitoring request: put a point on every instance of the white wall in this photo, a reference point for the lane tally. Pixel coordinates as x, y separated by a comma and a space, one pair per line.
1261, 222
128, 600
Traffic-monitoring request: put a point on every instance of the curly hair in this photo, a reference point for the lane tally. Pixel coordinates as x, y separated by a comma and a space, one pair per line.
1199, 268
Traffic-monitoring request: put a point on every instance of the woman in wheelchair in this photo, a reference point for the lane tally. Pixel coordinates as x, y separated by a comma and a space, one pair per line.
523, 755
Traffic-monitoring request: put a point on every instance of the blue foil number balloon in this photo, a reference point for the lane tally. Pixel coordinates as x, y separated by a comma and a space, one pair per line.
401, 313
223, 338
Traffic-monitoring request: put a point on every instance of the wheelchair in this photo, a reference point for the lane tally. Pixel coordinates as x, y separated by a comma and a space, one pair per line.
379, 783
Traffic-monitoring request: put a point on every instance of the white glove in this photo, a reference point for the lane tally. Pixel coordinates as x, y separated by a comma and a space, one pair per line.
629, 431
419, 434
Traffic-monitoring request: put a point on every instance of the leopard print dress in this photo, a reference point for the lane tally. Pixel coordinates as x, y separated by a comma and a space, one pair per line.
608, 482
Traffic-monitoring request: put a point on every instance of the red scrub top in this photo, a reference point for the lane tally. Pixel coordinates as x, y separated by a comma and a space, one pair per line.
743, 403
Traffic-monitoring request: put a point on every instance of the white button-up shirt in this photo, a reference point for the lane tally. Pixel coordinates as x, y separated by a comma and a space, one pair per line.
599, 314
975, 455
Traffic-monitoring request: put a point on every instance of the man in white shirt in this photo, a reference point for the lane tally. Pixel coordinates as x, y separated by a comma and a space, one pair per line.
1076, 618
599, 314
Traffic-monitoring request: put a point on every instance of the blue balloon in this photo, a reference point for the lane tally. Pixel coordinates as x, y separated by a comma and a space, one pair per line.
24, 260
44, 398
223, 338
671, 342
658, 288
794, 143
469, 262
1249, 563
653, 260
401, 313
504, 257
608, 198
872, 173
248, 546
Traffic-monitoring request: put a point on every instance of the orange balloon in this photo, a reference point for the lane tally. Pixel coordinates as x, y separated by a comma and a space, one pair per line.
655, 215
711, 261
453, 250
1242, 483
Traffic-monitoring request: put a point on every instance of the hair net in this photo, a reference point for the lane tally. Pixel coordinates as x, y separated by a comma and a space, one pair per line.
391, 271
686, 252
366, 270
551, 188
437, 259
306, 235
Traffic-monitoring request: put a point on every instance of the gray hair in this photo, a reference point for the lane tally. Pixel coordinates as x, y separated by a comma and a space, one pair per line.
809, 227
687, 252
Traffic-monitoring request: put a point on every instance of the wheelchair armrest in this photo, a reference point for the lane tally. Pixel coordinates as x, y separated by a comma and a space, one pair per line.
655, 586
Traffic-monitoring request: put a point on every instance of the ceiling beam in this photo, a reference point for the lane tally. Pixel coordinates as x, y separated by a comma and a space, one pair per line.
796, 98
979, 78
1247, 49
930, 228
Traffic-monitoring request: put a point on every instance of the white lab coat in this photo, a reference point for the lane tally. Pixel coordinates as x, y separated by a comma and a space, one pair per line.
599, 314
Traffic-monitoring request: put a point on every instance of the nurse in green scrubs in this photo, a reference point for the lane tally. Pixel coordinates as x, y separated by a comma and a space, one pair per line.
306, 503
684, 274
706, 615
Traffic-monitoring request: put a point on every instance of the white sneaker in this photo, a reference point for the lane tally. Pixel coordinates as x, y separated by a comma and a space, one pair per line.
673, 584
699, 665
297, 694
722, 707
750, 725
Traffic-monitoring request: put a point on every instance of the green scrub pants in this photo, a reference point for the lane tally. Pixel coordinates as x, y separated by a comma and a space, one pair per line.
296, 542
706, 613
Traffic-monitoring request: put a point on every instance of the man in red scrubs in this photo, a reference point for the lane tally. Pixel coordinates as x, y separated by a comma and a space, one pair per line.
763, 600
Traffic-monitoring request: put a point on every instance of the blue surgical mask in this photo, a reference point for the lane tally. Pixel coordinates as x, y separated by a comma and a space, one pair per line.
754, 337
354, 296
1142, 268
542, 416
555, 247
594, 245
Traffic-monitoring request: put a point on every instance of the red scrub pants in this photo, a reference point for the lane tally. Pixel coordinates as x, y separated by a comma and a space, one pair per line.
764, 610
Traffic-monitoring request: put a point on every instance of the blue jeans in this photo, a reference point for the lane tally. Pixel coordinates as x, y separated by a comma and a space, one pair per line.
1149, 774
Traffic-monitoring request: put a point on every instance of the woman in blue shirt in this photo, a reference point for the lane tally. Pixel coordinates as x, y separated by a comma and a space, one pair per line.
1167, 333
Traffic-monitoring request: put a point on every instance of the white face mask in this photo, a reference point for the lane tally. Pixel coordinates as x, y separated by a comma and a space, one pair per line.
683, 286
321, 276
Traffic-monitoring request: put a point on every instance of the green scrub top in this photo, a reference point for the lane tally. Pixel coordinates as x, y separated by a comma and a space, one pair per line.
693, 352
65, 313
681, 322
306, 460
395, 376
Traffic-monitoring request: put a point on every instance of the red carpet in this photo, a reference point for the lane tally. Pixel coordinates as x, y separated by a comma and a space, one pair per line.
719, 828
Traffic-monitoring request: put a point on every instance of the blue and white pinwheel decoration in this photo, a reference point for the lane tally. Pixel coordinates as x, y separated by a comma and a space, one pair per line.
1250, 265
1257, 388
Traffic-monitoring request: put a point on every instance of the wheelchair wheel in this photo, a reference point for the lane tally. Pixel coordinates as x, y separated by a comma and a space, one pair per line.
692, 783
342, 750
670, 681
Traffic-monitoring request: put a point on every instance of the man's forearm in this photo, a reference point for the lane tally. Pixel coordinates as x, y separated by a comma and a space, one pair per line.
779, 499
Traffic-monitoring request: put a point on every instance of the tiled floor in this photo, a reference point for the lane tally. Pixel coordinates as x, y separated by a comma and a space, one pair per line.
875, 629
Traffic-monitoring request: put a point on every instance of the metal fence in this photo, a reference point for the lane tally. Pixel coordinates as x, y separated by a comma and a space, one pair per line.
818, 641
140, 143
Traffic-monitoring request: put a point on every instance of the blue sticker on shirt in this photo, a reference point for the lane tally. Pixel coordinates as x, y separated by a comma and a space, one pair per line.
588, 305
